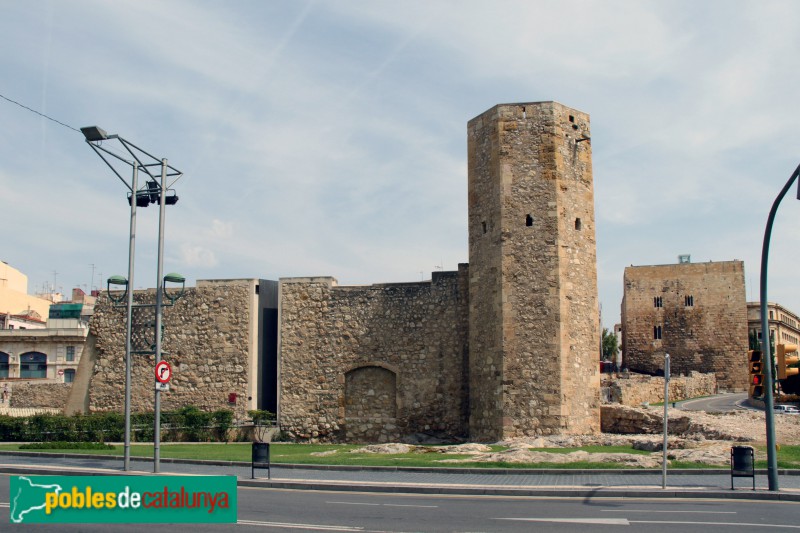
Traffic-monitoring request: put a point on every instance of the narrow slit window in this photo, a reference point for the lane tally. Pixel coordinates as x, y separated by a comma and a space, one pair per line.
688, 300
657, 332
658, 301
484, 226
578, 224
528, 220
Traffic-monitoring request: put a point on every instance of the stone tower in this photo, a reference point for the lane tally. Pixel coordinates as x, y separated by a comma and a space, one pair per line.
534, 338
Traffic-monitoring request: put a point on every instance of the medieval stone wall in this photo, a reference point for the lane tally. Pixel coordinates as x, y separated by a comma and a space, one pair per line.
373, 363
35, 395
638, 389
208, 340
700, 312
534, 327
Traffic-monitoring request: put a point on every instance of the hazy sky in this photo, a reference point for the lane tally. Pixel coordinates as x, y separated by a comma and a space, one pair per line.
329, 138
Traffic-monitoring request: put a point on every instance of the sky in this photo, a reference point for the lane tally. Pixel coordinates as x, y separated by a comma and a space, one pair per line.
322, 138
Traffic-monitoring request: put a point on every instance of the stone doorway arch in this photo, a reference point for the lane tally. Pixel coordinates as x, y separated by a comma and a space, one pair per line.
370, 404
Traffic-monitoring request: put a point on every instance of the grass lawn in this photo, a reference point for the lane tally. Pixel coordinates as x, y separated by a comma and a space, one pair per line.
788, 456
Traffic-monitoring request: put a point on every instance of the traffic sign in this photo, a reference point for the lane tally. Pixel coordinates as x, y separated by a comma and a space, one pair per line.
163, 387
163, 372
60, 371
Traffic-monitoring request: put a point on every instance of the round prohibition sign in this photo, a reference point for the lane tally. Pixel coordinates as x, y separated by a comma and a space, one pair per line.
163, 372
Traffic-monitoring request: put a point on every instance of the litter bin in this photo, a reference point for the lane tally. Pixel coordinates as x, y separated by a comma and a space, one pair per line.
260, 459
743, 463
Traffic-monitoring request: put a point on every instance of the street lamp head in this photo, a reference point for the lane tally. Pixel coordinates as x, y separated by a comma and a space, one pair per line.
174, 277
120, 283
94, 133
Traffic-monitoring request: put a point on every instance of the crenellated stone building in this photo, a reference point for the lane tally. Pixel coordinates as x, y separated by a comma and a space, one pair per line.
696, 312
506, 346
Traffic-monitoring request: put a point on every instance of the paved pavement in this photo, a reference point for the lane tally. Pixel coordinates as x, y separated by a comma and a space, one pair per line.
585, 483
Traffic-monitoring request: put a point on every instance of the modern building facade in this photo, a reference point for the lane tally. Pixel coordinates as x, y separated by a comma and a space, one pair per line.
784, 325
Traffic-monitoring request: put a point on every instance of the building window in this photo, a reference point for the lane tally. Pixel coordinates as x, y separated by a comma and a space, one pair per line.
771, 315
33, 365
70, 354
528, 220
658, 302
3, 365
657, 332
688, 301
69, 375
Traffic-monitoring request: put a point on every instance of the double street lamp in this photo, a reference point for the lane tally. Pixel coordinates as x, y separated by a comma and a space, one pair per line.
155, 191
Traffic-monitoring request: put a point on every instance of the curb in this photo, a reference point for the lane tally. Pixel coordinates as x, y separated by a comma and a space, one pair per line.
451, 490
417, 469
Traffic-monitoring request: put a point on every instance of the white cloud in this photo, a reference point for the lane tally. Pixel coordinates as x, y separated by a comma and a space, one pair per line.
197, 256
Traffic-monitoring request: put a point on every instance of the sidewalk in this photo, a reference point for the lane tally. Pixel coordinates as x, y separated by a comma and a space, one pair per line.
551, 483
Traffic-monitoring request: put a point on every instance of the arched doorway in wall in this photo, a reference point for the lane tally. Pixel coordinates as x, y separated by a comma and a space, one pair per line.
4, 358
33, 365
370, 404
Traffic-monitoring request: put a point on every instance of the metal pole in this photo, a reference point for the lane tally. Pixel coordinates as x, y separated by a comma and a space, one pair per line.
159, 302
666, 419
772, 455
129, 321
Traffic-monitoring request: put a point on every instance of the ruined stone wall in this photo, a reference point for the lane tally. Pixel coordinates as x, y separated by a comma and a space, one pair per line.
35, 395
638, 389
208, 340
534, 328
702, 316
373, 363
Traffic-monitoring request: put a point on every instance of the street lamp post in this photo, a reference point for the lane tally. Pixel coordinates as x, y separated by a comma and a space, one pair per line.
772, 456
154, 191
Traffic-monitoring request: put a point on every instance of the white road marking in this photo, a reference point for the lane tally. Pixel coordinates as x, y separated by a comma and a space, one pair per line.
603, 521
784, 526
386, 504
355, 503
290, 525
407, 505
654, 511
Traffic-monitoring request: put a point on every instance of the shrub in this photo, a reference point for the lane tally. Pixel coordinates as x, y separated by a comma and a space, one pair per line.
62, 445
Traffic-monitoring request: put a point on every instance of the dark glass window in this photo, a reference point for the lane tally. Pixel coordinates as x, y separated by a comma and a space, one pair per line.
33, 365
3, 365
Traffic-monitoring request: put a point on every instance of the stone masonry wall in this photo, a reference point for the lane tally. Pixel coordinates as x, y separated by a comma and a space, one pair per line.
207, 341
373, 363
703, 320
637, 389
28, 395
534, 326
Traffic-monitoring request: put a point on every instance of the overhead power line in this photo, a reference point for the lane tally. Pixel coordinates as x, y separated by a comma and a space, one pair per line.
38, 113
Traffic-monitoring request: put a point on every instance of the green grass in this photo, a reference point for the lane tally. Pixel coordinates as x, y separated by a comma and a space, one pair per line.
788, 456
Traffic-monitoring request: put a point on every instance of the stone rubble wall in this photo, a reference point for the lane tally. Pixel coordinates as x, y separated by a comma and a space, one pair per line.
207, 341
373, 363
638, 389
40, 395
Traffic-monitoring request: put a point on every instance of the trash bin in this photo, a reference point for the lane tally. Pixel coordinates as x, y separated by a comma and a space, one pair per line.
260, 459
743, 463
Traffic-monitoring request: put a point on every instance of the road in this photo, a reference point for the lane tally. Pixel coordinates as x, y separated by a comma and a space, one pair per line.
262, 509
717, 404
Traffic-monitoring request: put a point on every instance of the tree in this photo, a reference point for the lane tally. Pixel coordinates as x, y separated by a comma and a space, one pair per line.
610, 344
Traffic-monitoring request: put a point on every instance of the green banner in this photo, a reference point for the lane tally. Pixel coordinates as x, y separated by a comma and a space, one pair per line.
117, 499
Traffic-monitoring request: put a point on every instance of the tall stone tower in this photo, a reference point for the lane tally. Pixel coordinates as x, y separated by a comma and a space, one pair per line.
533, 308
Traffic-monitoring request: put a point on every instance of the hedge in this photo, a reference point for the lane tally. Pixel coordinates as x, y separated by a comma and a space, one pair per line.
188, 424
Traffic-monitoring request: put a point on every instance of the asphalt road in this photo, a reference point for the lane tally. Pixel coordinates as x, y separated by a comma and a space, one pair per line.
717, 404
263, 509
